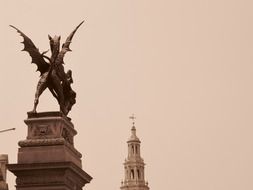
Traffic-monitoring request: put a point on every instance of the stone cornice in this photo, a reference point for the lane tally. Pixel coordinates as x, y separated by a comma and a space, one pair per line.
48, 142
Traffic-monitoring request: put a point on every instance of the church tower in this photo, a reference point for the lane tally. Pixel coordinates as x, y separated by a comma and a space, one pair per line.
134, 165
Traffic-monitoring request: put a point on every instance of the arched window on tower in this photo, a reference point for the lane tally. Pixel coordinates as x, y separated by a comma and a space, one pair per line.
136, 149
138, 174
132, 174
132, 149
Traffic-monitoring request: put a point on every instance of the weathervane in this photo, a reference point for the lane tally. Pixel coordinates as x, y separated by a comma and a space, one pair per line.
52, 71
132, 117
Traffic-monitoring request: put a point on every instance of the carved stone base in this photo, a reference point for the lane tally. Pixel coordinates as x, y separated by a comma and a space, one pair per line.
47, 158
49, 176
50, 139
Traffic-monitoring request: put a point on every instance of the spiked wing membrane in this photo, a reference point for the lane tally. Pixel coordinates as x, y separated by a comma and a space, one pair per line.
65, 46
37, 57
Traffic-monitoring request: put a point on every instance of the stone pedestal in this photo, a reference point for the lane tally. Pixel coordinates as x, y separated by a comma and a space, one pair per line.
3, 162
47, 159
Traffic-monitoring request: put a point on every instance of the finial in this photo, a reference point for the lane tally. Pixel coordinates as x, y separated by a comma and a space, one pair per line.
132, 117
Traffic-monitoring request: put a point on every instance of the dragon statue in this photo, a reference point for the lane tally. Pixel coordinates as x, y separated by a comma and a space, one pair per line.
52, 71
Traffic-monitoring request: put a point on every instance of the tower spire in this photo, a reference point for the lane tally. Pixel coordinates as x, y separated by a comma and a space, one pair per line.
134, 164
133, 129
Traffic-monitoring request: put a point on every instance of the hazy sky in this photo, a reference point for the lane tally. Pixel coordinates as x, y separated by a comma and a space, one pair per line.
184, 67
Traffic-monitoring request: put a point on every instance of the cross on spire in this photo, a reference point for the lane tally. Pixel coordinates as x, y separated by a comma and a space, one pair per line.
132, 117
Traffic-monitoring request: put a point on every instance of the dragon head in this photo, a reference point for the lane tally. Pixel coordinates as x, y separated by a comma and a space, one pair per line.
54, 44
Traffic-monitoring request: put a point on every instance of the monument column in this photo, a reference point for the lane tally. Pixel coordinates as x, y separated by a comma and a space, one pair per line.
47, 158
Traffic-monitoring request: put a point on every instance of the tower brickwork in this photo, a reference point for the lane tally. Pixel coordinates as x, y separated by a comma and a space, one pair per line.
134, 165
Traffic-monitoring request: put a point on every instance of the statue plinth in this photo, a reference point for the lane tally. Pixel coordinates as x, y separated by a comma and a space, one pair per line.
47, 159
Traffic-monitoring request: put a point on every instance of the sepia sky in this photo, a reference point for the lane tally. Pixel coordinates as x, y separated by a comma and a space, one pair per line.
184, 67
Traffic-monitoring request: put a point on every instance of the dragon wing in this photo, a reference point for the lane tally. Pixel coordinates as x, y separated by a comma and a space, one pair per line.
37, 57
65, 46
